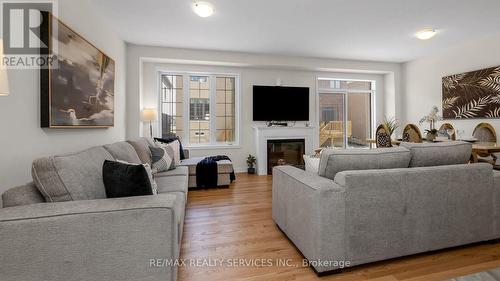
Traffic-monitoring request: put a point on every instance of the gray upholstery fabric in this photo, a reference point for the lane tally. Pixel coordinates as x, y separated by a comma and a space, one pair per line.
173, 184
179, 171
110, 239
372, 215
334, 160
149, 141
496, 181
69, 177
22, 195
123, 151
311, 211
102, 239
439, 153
173, 181
141, 146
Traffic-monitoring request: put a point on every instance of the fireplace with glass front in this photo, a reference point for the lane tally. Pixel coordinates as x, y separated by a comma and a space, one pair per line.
285, 152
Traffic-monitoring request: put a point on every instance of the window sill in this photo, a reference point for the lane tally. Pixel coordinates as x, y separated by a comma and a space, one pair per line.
212, 146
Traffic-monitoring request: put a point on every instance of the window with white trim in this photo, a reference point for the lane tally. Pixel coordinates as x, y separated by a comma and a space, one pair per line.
201, 109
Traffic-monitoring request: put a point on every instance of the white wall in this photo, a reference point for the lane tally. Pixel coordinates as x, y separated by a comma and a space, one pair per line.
144, 62
21, 138
423, 79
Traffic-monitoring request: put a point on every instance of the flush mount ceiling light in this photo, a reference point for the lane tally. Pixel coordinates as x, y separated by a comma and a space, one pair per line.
203, 9
426, 34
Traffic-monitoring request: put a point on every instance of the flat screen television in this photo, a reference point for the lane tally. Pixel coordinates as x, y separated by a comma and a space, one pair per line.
275, 103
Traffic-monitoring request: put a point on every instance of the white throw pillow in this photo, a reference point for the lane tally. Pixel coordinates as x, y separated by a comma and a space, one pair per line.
311, 163
154, 186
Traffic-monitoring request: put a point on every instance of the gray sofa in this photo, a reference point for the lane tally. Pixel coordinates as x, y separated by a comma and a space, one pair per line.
372, 205
62, 227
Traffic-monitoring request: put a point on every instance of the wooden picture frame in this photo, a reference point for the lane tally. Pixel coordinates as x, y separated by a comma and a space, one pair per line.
77, 90
472, 95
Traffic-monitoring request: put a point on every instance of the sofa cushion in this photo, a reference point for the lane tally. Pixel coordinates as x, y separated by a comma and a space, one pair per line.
22, 195
179, 171
439, 153
172, 184
141, 146
68, 177
123, 151
334, 161
223, 166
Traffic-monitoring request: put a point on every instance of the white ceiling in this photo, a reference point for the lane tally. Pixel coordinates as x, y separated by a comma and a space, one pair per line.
380, 30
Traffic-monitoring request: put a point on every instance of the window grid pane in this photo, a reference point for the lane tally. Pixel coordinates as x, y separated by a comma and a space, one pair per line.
225, 109
172, 106
199, 109
344, 85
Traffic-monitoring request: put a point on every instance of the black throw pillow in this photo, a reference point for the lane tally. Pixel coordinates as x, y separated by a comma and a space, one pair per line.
171, 139
124, 180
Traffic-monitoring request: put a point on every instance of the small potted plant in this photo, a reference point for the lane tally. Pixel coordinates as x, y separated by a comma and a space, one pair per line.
392, 124
432, 118
251, 164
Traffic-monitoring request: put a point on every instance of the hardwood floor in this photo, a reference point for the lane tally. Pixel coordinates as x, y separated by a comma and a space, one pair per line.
236, 223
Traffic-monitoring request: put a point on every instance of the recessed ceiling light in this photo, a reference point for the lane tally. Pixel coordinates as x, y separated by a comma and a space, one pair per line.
426, 34
203, 9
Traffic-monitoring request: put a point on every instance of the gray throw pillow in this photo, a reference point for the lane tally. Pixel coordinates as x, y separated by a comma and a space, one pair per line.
175, 147
162, 159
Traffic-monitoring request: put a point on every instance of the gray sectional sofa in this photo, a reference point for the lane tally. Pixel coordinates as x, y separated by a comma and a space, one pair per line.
72, 232
372, 205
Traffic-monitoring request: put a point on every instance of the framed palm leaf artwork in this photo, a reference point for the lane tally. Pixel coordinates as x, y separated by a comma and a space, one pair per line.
474, 94
77, 89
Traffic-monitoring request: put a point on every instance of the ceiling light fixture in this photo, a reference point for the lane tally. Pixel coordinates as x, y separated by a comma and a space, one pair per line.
426, 34
203, 9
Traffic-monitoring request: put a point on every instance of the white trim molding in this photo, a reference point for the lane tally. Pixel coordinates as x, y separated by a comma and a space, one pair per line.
213, 144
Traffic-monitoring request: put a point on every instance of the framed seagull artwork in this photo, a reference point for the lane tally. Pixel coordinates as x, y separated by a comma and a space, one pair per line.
77, 88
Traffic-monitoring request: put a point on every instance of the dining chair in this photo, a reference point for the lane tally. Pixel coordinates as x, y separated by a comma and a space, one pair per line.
447, 127
383, 136
411, 133
484, 132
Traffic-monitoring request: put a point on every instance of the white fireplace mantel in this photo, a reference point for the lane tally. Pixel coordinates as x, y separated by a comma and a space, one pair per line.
263, 134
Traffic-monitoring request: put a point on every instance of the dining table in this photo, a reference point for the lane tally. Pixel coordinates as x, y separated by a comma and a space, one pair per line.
479, 150
485, 149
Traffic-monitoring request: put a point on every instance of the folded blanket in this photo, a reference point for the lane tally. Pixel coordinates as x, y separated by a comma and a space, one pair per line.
206, 171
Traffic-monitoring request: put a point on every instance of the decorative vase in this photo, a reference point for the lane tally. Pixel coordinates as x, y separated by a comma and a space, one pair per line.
430, 136
251, 171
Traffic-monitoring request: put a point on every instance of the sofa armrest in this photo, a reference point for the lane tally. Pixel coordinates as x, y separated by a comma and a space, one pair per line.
310, 210
308, 179
106, 239
186, 153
